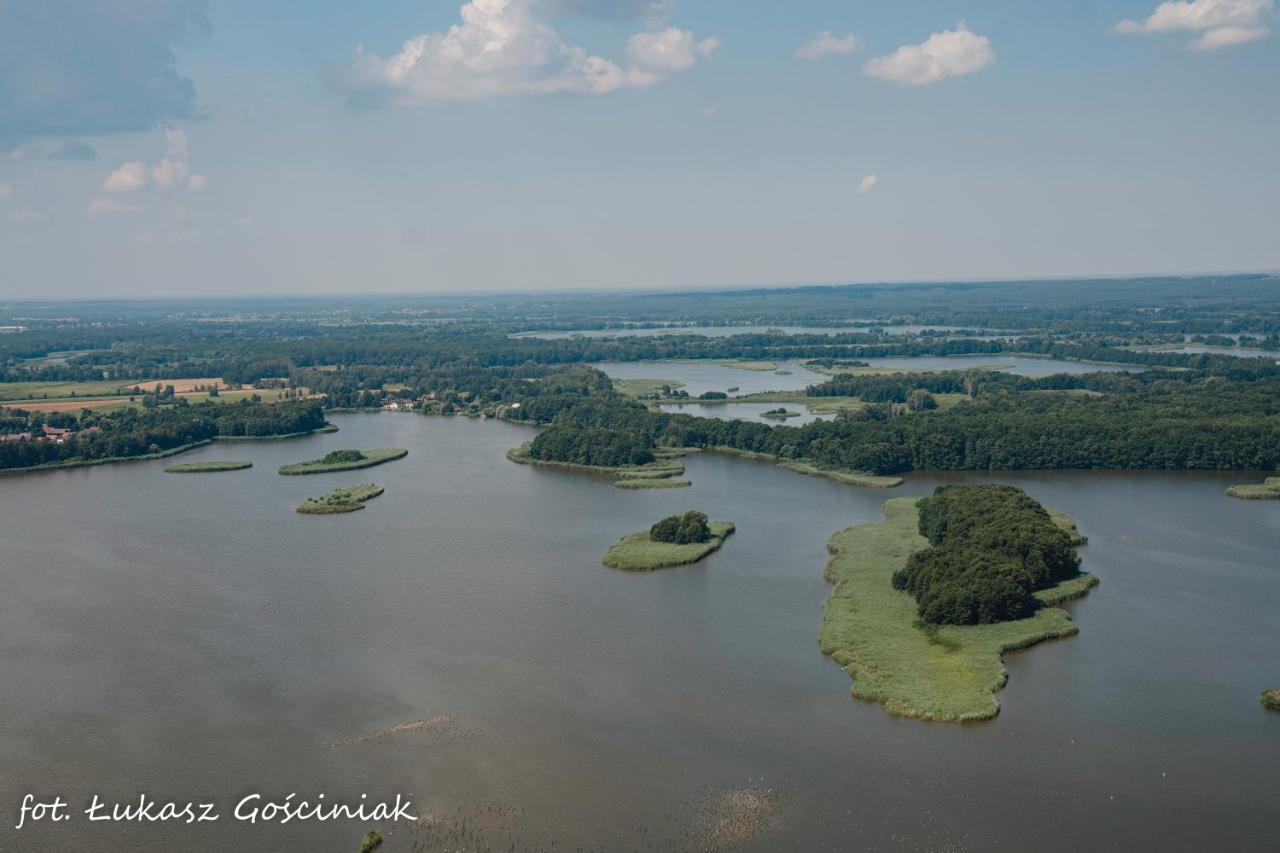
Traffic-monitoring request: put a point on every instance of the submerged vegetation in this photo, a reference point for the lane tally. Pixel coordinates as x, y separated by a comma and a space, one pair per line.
674, 541
912, 667
1268, 489
345, 460
345, 499
209, 467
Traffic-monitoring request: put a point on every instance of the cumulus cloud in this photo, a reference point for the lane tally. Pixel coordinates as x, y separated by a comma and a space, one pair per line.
106, 206
169, 172
74, 67
668, 51
1221, 23
868, 183
950, 53
500, 48
824, 44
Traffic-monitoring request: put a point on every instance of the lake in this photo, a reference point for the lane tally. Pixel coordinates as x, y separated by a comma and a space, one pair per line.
729, 331
746, 412
191, 636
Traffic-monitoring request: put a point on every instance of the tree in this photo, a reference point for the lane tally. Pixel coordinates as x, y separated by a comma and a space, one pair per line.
682, 529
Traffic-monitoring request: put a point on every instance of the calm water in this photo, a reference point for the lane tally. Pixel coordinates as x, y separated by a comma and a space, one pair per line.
1238, 352
191, 636
745, 412
700, 377
1022, 365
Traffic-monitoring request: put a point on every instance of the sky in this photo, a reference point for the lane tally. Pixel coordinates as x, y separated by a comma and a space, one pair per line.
227, 147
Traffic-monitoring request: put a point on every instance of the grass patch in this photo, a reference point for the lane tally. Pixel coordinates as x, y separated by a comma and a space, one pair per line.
341, 460
1271, 698
947, 673
1268, 489
346, 499
639, 553
209, 467
644, 387
651, 484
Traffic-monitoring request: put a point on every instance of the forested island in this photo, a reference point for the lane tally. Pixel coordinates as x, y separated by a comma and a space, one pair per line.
925, 603
345, 460
628, 458
674, 541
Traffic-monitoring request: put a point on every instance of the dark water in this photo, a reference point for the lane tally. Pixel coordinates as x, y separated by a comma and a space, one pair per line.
192, 637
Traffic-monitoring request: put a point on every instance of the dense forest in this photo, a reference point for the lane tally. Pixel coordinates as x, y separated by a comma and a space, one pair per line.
992, 546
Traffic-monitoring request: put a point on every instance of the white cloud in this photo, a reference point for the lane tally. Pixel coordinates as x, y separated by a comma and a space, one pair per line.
868, 183
668, 51
128, 178
500, 48
950, 53
104, 206
1221, 23
824, 44
171, 170
6, 191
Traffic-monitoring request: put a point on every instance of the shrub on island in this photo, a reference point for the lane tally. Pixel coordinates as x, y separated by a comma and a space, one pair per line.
682, 529
992, 548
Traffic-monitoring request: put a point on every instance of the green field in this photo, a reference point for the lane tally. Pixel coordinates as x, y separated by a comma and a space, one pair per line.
209, 467
639, 553
368, 458
658, 474
644, 387
947, 673
346, 499
1268, 489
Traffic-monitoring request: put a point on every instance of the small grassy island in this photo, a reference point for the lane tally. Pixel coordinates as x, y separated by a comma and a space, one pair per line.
209, 467
779, 414
619, 455
346, 499
1268, 489
345, 460
927, 601
1271, 699
674, 541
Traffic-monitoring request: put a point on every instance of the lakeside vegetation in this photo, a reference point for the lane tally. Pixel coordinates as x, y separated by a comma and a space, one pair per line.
677, 540
342, 500
659, 473
345, 460
209, 467
914, 668
1271, 699
1268, 489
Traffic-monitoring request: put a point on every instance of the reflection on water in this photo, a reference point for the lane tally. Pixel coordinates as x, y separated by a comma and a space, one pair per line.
194, 637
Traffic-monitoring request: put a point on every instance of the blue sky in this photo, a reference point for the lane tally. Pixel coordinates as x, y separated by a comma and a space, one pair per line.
181, 147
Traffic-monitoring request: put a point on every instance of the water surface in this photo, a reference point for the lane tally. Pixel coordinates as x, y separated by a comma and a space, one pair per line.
193, 636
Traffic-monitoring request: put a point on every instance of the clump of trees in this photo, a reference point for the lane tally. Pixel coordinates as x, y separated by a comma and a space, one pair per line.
682, 529
993, 546
591, 445
338, 457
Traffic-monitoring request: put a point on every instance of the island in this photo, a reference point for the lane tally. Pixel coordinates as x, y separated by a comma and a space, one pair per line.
1271, 699
1268, 489
345, 460
627, 458
209, 467
779, 414
345, 499
674, 541
926, 602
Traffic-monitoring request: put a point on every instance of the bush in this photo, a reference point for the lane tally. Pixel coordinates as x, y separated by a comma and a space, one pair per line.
341, 456
682, 529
